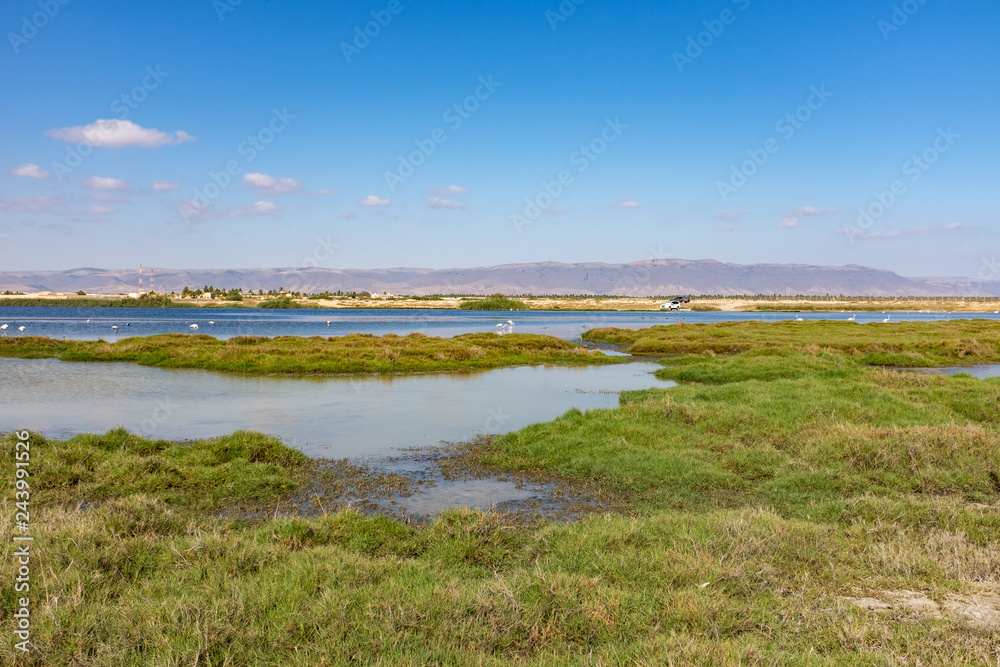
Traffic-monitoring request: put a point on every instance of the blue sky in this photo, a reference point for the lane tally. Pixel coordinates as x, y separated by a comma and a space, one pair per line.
461, 134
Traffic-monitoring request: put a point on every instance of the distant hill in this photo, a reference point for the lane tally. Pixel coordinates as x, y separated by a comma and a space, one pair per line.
661, 277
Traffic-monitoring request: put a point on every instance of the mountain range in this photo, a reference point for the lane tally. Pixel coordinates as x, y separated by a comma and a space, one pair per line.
659, 277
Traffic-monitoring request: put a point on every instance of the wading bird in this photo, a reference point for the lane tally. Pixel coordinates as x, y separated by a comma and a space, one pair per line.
886, 320
799, 319
211, 323
853, 318
193, 326
114, 327
3, 327
21, 328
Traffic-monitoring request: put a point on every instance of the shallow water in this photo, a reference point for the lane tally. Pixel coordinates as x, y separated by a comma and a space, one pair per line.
59, 322
333, 417
981, 372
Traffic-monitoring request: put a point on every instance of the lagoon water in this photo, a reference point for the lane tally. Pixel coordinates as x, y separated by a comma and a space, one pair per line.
355, 417
94, 323
332, 417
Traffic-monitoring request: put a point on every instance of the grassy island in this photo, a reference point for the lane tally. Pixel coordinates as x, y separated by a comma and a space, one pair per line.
794, 501
293, 355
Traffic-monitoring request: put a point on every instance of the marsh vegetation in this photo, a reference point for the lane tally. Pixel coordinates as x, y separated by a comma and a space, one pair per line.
778, 507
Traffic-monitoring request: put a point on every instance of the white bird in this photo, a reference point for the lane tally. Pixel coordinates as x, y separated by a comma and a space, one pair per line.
114, 327
21, 328
3, 327
853, 318
996, 311
328, 323
211, 323
88, 320
886, 320
510, 325
799, 319
193, 326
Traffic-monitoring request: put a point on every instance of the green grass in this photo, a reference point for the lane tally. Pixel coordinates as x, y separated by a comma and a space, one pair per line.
493, 302
290, 355
758, 496
909, 344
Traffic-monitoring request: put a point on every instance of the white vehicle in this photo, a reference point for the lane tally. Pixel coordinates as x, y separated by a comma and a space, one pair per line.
671, 305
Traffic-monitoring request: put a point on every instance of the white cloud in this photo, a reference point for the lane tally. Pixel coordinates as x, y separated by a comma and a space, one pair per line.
116, 133
30, 205
450, 190
812, 210
193, 210
30, 171
102, 183
927, 230
437, 202
728, 216
791, 219
372, 200
920, 230
628, 203
165, 186
256, 208
269, 185
101, 210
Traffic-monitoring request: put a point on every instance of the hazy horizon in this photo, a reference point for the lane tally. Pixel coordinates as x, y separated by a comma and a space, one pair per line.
438, 135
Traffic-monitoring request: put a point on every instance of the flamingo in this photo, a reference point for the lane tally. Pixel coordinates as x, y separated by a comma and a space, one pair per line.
328, 323
21, 328
3, 327
853, 318
114, 327
886, 320
211, 323
193, 327
799, 319
510, 325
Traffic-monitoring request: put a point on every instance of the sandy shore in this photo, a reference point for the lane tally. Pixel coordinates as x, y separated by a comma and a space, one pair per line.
611, 303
